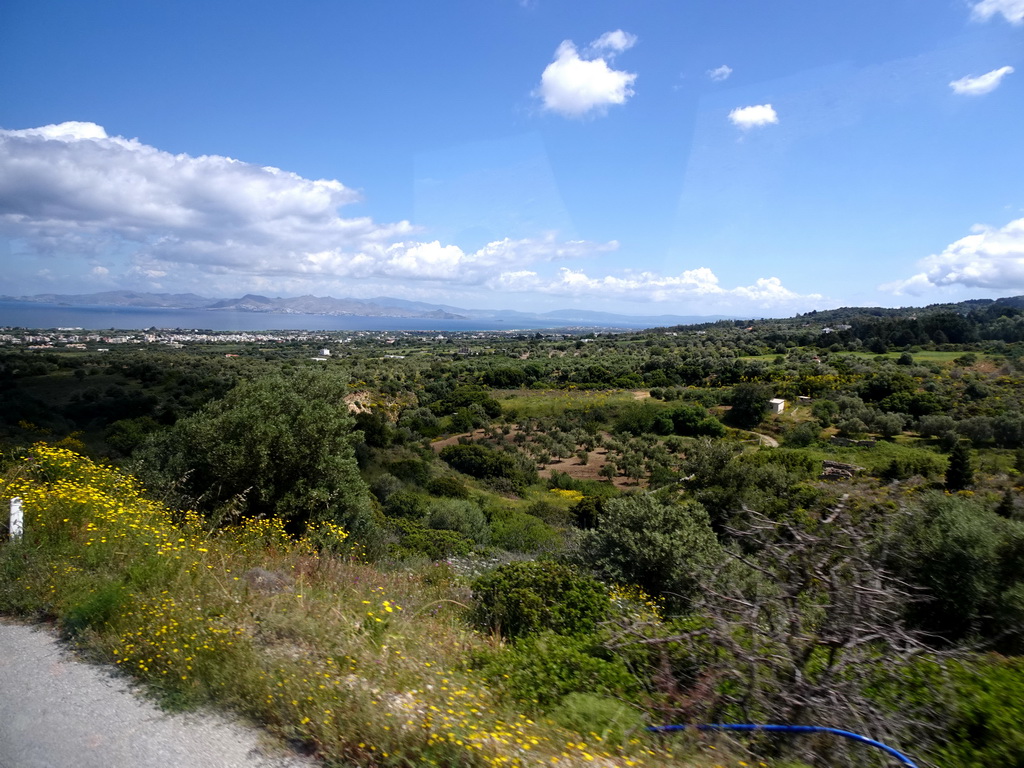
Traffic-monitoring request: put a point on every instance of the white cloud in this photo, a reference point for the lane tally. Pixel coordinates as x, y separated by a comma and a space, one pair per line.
574, 86
720, 73
992, 259
68, 131
976, 86
613, 42
700, 283
751, 117
71, 190
1011, 10
437, 262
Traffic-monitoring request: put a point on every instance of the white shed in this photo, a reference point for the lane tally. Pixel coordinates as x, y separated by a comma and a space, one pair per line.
777, 405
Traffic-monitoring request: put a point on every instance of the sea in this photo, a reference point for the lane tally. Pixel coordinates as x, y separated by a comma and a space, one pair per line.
26, 314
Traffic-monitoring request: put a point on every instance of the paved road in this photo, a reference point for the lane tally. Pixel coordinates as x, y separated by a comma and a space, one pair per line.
57, 712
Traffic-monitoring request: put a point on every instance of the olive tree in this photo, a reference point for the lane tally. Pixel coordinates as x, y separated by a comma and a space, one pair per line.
279, 445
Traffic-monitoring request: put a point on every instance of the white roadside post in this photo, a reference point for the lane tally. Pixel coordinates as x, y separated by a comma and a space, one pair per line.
17, 519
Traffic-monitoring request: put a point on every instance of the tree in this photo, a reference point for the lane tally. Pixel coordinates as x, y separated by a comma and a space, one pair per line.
694, 420
970, 563
660, 546
960, 473
608, 471
281, 443
749, 402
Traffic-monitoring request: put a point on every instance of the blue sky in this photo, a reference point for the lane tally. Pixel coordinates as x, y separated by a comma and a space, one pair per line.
690, 157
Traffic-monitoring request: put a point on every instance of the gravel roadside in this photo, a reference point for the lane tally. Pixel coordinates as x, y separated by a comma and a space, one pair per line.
59, 712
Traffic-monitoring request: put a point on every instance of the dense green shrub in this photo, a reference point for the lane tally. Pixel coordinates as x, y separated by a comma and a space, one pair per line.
421, 421
542, 669
898, 462
412, 470
486, 463
976, 700
566, 482
385, 485
407, 504
825, 411
459, 515
801, 465
522, 532
125, 435
416, 540
524, 598
466, 396
695, 421
448, 485
660, 546
802, 435
553, 514
903, 467
643, 418
988, 710
970, 563
376, 428
586, 511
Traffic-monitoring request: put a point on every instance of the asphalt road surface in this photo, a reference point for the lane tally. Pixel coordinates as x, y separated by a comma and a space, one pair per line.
58, 712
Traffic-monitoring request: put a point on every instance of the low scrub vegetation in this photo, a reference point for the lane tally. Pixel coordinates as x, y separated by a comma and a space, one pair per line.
366, 667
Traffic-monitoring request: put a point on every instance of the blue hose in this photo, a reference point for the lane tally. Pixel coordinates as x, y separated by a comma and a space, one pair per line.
788, 729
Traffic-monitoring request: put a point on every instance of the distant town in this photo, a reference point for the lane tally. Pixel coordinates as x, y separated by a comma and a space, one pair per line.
95, 340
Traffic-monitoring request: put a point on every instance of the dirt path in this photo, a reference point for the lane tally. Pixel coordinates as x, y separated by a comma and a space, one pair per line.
58, 711
768, 440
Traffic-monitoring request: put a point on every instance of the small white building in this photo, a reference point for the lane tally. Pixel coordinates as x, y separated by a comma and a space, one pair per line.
325, 352
776, 405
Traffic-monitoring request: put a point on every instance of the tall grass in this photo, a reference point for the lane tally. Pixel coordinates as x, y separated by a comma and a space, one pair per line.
366, 667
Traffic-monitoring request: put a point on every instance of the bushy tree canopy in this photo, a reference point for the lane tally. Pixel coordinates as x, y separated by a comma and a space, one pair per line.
749, 402
281, 443
660, 546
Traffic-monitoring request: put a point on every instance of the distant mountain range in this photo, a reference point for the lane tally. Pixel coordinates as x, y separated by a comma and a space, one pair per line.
381, 306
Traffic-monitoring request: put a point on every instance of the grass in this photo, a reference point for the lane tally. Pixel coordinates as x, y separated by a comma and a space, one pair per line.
877, 457
366, 667
552, 403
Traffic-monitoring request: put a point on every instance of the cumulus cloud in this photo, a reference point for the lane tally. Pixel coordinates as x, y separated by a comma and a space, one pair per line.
992, 259
700, 283
751, 117
720, 73
1011, 10
72, 189
575, 86
976, 86
437, 262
